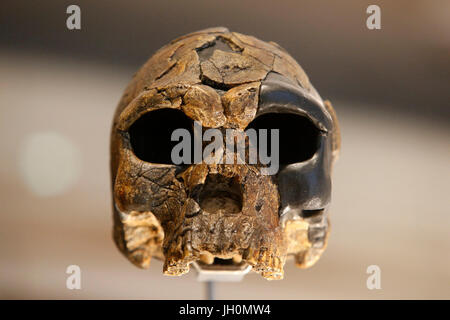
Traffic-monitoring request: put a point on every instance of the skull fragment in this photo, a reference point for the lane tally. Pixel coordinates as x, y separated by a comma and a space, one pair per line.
223, 216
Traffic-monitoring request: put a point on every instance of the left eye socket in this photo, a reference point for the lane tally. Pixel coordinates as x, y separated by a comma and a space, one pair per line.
299, 138
150, 135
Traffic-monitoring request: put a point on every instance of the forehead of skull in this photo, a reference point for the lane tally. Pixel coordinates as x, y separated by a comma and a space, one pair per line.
214, 76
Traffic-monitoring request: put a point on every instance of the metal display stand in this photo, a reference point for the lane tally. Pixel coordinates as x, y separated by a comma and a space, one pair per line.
211, 274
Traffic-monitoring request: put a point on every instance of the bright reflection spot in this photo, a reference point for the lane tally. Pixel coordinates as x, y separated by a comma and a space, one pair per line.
49, 163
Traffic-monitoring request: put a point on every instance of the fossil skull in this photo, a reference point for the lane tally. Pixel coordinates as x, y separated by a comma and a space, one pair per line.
226, 216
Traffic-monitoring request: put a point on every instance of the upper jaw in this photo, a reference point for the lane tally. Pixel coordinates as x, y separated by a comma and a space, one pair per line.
235, 245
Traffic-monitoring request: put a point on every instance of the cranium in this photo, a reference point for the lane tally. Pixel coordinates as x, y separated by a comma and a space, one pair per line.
228, 216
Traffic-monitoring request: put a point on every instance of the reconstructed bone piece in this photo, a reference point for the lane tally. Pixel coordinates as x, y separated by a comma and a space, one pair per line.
222, 215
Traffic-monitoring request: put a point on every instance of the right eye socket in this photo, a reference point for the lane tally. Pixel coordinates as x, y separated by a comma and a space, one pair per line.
299, 137
150, 135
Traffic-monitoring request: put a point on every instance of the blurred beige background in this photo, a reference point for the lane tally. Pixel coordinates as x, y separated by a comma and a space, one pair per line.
58, 91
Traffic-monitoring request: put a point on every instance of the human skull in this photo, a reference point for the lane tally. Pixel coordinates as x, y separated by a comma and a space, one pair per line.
224, 216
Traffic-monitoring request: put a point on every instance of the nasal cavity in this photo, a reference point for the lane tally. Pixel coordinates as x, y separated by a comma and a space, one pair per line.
221, 194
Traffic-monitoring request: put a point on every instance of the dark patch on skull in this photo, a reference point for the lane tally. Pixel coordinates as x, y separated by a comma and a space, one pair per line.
206, 51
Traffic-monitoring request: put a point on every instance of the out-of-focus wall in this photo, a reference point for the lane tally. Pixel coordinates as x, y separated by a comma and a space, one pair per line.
59, 88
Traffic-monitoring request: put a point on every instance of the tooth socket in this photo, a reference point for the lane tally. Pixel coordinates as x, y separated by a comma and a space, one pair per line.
267, 263
178, 256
